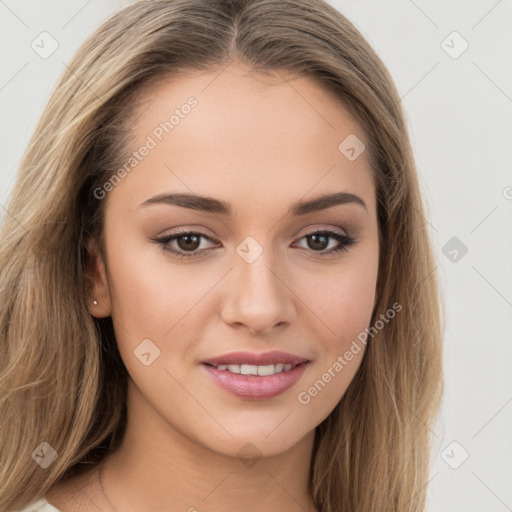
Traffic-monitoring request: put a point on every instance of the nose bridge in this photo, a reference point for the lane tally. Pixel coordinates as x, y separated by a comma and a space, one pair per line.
257, 296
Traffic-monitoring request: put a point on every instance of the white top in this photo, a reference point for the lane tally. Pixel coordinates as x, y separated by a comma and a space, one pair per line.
40, 506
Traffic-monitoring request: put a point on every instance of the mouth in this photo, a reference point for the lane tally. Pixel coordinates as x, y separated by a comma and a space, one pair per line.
256, 376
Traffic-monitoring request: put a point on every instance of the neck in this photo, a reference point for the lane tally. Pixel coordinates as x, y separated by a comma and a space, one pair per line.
158, 468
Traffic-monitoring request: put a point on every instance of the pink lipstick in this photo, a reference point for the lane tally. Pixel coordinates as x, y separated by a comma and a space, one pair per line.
256, 376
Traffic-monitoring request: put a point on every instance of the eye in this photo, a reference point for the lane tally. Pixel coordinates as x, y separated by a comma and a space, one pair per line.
318, 240
189, 242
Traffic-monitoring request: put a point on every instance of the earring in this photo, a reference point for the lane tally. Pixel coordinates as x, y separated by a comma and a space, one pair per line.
95, 302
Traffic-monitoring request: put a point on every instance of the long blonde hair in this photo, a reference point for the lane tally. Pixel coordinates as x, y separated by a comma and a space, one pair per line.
62, 380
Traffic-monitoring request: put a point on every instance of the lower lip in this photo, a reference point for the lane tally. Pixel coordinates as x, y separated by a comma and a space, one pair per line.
252, 387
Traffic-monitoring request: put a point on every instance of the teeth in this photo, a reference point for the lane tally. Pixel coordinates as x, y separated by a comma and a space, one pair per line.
268, 369
250, 369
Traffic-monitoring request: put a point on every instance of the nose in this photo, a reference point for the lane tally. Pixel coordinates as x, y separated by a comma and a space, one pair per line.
257, 297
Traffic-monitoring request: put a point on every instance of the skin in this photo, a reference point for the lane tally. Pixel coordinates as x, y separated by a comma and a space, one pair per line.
260, 143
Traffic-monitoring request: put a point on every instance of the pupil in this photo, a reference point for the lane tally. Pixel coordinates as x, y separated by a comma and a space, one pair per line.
186, 245
315, 239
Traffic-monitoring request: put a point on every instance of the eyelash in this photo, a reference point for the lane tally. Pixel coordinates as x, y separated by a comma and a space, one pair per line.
346, 241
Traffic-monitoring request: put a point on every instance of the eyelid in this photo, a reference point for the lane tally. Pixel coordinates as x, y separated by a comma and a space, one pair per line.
314, 228
186, 230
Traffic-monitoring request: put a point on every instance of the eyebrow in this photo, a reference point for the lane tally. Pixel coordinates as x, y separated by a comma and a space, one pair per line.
211, 205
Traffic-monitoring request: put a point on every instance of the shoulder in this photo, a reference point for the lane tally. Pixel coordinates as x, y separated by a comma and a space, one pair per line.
40, 506
77, 494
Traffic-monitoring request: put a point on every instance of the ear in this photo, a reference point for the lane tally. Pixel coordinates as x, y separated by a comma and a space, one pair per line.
97, 283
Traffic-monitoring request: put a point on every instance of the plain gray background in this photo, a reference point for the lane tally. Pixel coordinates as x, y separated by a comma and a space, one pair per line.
459, 105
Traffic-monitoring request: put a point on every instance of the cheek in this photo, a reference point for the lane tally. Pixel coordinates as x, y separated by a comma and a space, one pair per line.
345, 310
149, 292
341, 299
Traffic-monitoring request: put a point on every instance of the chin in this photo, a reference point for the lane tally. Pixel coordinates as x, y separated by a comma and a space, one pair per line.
259, 440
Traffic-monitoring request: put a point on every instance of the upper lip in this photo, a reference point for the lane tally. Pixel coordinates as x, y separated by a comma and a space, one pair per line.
261, 359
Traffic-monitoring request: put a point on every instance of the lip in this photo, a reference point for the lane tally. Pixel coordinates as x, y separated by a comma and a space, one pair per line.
252, 387
261, 359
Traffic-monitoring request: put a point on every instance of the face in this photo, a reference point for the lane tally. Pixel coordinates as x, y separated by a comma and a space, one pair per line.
233, 314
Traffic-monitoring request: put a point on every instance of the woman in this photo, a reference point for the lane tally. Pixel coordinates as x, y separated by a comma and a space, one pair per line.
217, 282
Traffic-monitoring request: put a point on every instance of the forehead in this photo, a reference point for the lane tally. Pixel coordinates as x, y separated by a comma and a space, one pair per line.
236, 133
